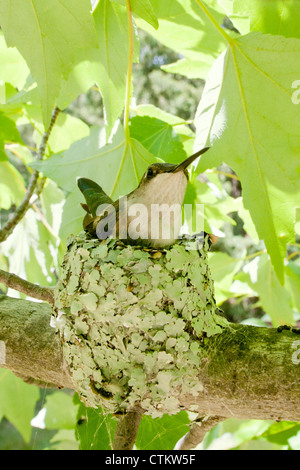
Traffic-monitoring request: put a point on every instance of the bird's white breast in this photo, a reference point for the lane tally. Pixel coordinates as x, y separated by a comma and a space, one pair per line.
155, 212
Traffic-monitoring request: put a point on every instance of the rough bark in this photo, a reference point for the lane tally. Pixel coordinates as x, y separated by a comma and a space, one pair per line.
251, 373
246, 372
29, 345
127, 429
33, 290
197, 432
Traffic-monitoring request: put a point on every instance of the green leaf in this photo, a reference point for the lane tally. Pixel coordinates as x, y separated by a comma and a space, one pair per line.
60, 410
214, 204
113, 36
161, 433
48, 33
244, 214
281, 432
63, 440
52, 200
72, 216
275, 299
66, 131
95, 429
223, 269
12, 188
31, 250
117, 166
248, 117
8, 133
181, 126
186, 27
3, 156
235, 433
292, 271
144, 9
186, 134
17, 402
158, 137
107, 66
13, 67
280, 17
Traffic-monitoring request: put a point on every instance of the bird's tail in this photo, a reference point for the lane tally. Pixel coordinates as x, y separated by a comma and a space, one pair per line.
93, 194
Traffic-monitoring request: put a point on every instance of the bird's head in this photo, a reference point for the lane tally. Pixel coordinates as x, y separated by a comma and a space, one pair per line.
166, 182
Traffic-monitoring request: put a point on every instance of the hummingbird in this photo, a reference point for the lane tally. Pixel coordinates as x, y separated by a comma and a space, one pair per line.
151, 215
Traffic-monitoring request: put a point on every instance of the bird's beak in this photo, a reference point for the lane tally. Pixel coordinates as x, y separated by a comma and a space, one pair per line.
183, 165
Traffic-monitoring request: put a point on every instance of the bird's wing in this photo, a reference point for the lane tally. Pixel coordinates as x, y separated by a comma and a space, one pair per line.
93, 194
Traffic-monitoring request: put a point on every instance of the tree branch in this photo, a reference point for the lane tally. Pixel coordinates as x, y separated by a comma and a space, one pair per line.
197, 432
246, 372
250, 373
30, 347
127, 429
33, 290
21, 210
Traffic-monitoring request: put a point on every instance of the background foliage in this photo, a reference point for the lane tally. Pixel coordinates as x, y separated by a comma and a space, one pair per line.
241, 57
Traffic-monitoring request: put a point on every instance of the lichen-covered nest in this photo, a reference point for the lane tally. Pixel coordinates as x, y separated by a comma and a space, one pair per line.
132, 320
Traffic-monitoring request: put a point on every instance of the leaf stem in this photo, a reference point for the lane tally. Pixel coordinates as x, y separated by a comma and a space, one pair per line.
183, 123
292, 255
224, 173
213, 21
253, 255
129, 70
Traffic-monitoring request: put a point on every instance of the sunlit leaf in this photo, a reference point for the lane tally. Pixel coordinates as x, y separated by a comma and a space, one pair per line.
30, 250
144, 9
248, 117
162, 433
179, 125
64, 439
17, 402
72, 216
223, 268
117, 166
48, 33
292, 271
185, 26
8, 133
275, 17
95, 428
214, 205
274, 298
111, 69
12, 188
13, 67
158, 137
66, 131
60, 411
281, 432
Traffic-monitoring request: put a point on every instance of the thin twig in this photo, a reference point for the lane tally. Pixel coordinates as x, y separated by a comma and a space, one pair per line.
224, 173
197, 432
21, 210
127, 428
33, 290
292, 255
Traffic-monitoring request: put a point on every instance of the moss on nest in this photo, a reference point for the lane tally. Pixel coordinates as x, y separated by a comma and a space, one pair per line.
131, 319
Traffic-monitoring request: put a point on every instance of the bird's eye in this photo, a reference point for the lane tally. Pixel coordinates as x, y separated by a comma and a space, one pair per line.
150, 173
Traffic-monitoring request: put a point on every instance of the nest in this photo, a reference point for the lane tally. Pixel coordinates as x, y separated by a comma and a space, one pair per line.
132, 321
